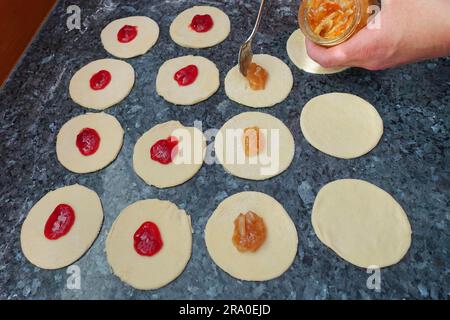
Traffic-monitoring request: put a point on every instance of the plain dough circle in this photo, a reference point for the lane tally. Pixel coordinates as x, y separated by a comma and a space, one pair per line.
183, 35
362, 223
249, 170
204, 86
55, 254
153, 272
296, 50
172, 174
111, 139
341, 125
276, 254
148, 32
278, 85
122, 81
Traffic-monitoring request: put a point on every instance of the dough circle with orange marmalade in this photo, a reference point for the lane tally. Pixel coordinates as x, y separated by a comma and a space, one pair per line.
277, 88
275, 255
276, 152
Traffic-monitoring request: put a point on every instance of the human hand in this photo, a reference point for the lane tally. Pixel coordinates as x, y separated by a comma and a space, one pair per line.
410, 31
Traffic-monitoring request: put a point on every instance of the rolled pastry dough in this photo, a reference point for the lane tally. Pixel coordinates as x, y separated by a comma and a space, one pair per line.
122, 81
55, 254
111, 139
192, 145
182, 34
277, 153
362, 223
142, 272
202, 88
341, 125
148, 32
278, 85
275, 255
296, 50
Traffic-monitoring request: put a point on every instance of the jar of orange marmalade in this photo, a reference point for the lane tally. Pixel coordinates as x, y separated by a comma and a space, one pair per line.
331, 22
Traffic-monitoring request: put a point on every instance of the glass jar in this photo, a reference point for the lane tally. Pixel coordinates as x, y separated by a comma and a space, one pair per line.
331, 22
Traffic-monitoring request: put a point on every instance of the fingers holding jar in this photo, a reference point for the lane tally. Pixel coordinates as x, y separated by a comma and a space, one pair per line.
339, 35
373, 54
327, 57
331, 29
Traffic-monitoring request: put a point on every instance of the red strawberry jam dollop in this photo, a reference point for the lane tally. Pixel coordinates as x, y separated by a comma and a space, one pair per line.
187, 75
202, 23
127, 34
100, 80
164, 150
147, 239
59, 222
88, 141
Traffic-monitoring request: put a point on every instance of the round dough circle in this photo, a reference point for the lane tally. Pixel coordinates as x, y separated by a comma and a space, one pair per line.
55, 254
148, 33
341, 125
111, 139
296, 50
278, 85
153, 272
362, 223
204, 86
183, 35
122, 81
192, 145
254, 168
276, 254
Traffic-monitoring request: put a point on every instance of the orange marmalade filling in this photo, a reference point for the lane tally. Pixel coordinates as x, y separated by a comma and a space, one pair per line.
256, 76
253, 141
330, 18
249, 232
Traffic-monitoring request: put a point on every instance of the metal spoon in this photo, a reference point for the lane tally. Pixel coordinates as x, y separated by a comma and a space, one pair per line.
245, 52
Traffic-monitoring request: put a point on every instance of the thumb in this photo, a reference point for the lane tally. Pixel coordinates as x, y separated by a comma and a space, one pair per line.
328, 57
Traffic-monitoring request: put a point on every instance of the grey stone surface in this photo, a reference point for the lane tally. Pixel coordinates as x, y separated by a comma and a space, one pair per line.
411, 162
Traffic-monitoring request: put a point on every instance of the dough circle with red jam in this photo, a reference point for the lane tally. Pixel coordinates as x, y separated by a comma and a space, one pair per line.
275, 255
111, 138
147, 33
186, 163
204, 86
59, 253
150, 272
122, 81
182, 33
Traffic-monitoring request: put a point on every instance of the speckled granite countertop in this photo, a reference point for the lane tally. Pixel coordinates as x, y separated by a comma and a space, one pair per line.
412, 162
